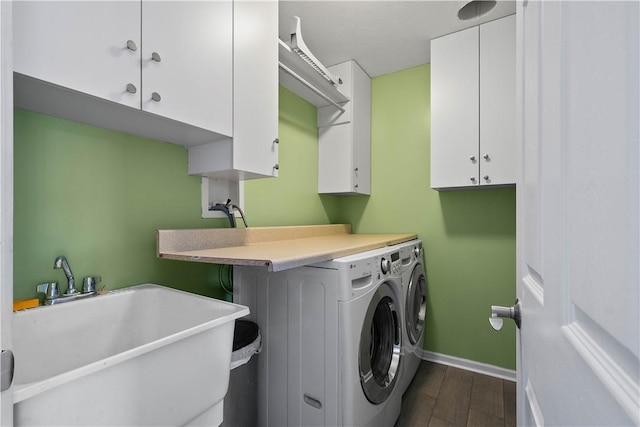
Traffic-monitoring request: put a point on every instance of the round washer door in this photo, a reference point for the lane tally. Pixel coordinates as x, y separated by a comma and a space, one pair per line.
416, 304
380, 345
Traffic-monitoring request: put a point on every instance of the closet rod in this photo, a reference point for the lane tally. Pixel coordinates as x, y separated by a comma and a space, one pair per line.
309, 85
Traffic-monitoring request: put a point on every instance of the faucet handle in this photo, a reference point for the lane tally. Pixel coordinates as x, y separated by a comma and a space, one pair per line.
50, 290
42, 288
89, 284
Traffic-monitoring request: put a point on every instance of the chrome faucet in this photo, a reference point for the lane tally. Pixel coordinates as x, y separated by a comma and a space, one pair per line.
61, 262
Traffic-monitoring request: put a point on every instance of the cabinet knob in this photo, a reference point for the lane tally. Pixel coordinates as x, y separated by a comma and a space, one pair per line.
472, 179
486, 157
472, 158
486, 177
276, 141
131, 45
156, 97
155, 56
276, 166
131, 88
355, 170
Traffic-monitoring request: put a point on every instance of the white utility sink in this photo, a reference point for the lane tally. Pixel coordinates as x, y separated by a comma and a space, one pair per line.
140, 356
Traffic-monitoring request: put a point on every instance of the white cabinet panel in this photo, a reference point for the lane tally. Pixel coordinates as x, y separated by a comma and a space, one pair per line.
335, 159
81, 46
473, 107
344, 138
454, 109
498, 102
253, 150
80, 60
192, 45
255, 87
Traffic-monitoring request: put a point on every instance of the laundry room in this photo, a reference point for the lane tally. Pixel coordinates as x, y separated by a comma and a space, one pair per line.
271, 207
468, 236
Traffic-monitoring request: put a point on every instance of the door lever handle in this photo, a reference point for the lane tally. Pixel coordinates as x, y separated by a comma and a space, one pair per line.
498, 313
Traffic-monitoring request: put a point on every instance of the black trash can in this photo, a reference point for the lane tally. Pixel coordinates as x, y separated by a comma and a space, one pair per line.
241, 401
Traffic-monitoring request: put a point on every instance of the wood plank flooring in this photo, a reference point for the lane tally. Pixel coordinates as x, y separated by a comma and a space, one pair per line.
444, 396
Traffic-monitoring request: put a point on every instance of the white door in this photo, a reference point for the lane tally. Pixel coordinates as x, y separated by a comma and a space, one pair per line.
6, 201
578, 213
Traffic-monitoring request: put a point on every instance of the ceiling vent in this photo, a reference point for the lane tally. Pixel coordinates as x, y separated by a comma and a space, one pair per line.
475, 9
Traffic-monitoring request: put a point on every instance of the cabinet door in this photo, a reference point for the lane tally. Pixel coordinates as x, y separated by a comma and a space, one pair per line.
187, 62
361, 167
344, 138
335, 159
454, 109
255, 87
81, 45
498, 102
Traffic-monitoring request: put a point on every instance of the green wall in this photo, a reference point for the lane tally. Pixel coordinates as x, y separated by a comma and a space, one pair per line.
292, 198
97, 196
469, 236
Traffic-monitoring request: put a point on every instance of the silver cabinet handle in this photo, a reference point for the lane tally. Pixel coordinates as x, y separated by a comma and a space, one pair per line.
276, 141
131, 88
155, 56
486, 177
498, 313
486, 157
156, 97
276, 166
473, 179
472, 158
131, 45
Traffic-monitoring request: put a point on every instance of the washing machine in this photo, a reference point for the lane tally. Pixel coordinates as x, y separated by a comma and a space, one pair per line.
332, 335
414, 301
370, 336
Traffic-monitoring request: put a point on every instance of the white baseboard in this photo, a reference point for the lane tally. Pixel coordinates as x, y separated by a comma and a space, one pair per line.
469, 365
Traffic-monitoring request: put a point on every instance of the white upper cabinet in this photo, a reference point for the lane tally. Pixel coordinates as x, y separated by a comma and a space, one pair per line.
498, 102
344, 137
253, 150
203, 74
255, 87
91, 47
454, 109
473, 107
80, 60
187, 62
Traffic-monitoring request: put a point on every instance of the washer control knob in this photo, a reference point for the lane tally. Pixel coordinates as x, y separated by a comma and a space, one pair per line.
385, 265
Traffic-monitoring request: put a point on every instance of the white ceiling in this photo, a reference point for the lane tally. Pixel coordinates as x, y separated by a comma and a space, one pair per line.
382, 36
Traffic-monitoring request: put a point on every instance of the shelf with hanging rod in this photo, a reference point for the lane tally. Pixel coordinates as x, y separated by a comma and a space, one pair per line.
302, 73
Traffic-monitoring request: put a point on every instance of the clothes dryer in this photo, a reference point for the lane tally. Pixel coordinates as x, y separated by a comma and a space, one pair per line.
414, 299
371, 337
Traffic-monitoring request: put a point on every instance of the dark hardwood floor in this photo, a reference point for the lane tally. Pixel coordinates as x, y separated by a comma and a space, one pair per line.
443, 396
